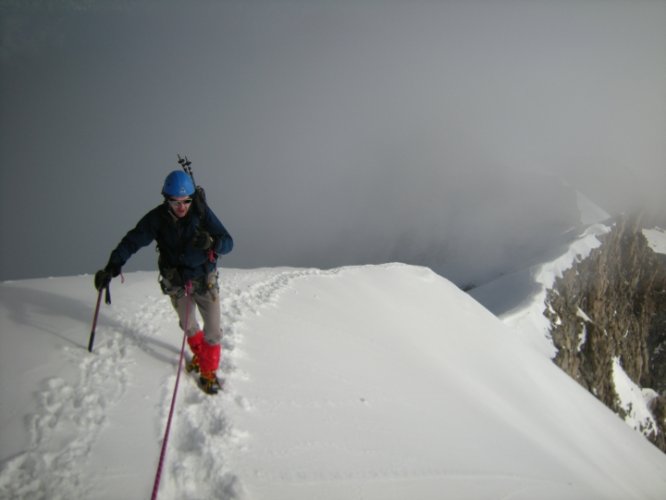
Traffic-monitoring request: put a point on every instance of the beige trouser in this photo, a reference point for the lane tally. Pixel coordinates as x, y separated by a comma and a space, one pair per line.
207, 302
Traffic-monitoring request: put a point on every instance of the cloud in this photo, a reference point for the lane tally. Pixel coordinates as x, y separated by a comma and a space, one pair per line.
329, 133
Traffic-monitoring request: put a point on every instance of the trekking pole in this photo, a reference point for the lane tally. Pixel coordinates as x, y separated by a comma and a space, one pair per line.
185, 163
199, 193
94, 325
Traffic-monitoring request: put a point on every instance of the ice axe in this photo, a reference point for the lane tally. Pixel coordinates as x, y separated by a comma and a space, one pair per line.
91, 341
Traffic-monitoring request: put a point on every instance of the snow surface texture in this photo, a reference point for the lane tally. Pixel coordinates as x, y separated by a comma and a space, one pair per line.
378, 382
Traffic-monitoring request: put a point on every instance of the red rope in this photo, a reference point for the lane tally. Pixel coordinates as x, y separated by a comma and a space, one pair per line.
158, 475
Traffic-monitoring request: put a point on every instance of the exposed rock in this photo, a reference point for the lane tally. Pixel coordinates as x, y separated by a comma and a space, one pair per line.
612, 306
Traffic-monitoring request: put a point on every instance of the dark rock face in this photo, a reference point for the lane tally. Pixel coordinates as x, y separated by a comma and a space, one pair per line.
611, 308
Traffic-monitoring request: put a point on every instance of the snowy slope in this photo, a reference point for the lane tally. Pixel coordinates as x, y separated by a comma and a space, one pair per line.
366, 382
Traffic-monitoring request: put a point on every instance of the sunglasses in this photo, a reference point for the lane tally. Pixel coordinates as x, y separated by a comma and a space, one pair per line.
178, 203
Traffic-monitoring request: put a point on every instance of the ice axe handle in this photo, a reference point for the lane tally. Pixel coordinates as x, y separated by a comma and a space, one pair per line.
94, 325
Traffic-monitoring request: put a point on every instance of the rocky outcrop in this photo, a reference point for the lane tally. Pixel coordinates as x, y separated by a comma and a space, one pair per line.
610, 308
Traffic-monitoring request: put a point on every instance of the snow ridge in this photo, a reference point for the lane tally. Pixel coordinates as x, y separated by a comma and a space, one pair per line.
366, 382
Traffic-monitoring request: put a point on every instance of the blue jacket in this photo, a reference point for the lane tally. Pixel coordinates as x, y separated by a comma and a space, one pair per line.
174, 241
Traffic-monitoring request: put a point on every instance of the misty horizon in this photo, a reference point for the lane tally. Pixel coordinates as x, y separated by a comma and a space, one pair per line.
328, 133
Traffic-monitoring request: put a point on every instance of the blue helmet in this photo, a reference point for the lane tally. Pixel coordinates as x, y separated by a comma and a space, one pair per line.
178, 183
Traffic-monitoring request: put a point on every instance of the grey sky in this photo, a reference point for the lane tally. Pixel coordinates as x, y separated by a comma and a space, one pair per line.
327, 133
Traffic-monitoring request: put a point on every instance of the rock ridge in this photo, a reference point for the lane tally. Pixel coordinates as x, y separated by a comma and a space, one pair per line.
609, 310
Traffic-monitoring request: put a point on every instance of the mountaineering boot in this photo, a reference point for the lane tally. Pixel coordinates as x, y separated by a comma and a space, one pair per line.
195, 342
193, 365
209, 383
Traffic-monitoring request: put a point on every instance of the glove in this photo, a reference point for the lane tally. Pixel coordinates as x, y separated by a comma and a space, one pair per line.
202, 240
103, 276
102, 279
